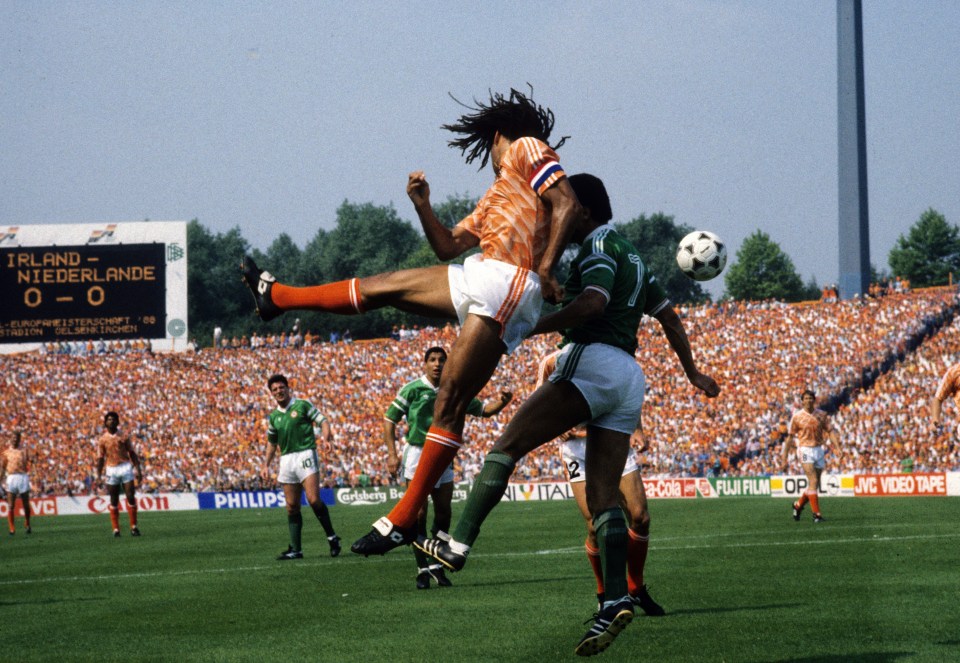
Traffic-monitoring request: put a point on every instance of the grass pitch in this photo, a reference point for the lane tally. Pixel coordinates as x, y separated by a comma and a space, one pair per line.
740, 580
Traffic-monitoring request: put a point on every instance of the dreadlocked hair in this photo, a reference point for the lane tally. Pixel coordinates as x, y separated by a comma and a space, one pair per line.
514, 116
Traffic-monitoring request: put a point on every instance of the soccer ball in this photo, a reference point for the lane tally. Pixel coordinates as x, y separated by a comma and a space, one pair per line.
701, 255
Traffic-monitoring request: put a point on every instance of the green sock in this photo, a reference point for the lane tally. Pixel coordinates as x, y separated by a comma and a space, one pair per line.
612, 536
323, 515
488, 488
295, 525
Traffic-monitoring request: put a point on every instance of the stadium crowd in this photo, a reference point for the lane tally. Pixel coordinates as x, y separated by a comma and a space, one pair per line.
199, 419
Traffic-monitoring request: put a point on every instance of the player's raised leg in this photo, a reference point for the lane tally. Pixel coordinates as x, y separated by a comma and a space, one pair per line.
423, 291
470, 364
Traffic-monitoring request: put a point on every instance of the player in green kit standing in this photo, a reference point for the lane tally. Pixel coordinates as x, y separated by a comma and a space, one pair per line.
415, 402
597, 380
291, 431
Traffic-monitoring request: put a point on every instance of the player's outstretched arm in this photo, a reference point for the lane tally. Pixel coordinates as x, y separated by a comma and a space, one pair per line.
677, 337
493, 407
936, 410
564, 210
389, 441
787, 448
447, 244
589, 304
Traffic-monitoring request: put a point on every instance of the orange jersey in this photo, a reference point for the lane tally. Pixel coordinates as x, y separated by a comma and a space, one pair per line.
114, 449
511, 223
950, 385
809, 428
15, 460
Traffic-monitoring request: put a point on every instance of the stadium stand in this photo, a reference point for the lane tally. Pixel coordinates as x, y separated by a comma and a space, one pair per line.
198, 419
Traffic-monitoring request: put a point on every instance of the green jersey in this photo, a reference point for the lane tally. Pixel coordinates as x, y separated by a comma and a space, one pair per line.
415, 402
291, 428
607, 262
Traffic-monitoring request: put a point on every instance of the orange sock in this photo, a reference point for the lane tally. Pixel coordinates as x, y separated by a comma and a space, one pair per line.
637, 546
340, 297
10, 519
593, 555
132, 512
814, 501
439, 450
803, 500
114, 517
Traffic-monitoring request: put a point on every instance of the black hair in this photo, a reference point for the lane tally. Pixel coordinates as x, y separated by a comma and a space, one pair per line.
514, 116
109, 414
435, 348
277, 377
808, 391
593, 195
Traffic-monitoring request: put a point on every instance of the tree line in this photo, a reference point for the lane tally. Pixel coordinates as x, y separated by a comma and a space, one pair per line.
369, 239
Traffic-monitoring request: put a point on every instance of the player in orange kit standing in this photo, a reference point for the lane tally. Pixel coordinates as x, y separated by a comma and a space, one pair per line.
949, 386
115, 454
14, 464
809, 430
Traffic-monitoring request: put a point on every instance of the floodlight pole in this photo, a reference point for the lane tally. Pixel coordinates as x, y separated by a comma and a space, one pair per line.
854, 217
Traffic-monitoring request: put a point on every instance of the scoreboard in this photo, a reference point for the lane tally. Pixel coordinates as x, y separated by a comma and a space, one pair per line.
91, 282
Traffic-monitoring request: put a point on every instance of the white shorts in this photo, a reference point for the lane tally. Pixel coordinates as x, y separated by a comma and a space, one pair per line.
18, 484
507, 293
610, 380
119, 474
574, 454
811, 456
297, 466
411, 458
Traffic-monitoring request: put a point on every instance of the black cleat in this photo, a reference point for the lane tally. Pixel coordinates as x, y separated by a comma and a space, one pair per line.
817, 518
440, 551
600, 599
643, 601
423, 580
29, 530
436, 571
12, 532
135, 531
260, 284
384, 537
607, 625
290, 553
334, 542
797, 510
116, 534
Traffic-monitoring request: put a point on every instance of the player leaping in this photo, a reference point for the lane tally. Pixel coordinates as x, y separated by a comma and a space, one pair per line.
521, 224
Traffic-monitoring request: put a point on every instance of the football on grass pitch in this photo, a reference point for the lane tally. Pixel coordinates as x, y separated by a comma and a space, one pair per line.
701, 255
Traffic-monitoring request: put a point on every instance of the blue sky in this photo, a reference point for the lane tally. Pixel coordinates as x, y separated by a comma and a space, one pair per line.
267, 116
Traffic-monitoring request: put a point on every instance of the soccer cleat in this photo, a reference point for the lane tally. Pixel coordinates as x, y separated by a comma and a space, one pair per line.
260, 284
135, 531
436, 572
817, 518
607, 625
12, 532
423, 580
600, 599
290, 553
797, 510
440, 551
29, 530
384, 537
116, 534
334, 542
643, 601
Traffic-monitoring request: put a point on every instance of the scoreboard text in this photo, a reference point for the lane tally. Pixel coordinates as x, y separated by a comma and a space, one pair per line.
72, 293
